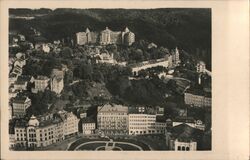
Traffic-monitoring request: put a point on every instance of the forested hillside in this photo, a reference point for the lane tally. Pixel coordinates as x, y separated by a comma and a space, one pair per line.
189, 29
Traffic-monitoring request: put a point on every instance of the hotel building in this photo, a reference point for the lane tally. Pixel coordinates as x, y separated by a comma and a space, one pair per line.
143, 121
112, 119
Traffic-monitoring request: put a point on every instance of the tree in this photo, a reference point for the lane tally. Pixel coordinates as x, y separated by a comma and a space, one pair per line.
68, 77
80, 89
67, 52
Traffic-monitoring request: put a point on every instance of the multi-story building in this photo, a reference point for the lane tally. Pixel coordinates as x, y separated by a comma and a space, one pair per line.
20, 134
20, 104
108, 36
201, 67
39, 132
129, 37
88, 126
105, 37
22, 82
17, 70
70, 123
197, 100
112, 119
83, 38
56, 84
183, 138
41, 83
143, 121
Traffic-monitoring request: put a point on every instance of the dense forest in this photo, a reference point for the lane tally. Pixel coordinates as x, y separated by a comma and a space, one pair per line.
189, 29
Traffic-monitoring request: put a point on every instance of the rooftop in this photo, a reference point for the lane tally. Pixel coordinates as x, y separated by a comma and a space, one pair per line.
185, 133
112, 108
184, 119
88, 120
24, 78
42, 78
198, 91
142, 110
20, 99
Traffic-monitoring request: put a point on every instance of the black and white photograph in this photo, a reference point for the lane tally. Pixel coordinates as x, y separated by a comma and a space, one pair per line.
110, 79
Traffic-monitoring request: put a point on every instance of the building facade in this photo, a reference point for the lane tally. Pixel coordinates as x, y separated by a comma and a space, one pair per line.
197, 100
106, 37
83, 38
41, 83
88, 126
112, 119
181, 145
56, 84
140, 124
142, 121
39, 132
70, 123
20, 104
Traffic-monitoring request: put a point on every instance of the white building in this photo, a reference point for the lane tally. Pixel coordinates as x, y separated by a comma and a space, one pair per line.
41, 83
88, 126
39, 132
201, 67
20, 104
197, 100
141, 121
56, 84
183, 145
70, 122
112, 119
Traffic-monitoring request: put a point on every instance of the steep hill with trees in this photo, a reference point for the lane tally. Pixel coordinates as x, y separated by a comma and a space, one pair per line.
189, 29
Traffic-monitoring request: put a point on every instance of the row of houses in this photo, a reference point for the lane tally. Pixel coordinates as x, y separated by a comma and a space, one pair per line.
43, 130
112, 119
115, 119
197, 98
20, 103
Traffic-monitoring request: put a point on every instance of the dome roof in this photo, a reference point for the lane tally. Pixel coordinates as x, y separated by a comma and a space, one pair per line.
33, 121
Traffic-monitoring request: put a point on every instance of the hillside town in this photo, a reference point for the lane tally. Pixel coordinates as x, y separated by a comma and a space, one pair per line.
106, 85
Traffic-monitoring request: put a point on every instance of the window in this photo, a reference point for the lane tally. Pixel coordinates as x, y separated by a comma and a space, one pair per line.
187, 149
179, 148
183, 148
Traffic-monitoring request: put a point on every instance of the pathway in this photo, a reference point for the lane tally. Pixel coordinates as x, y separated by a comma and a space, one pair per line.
107, 142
